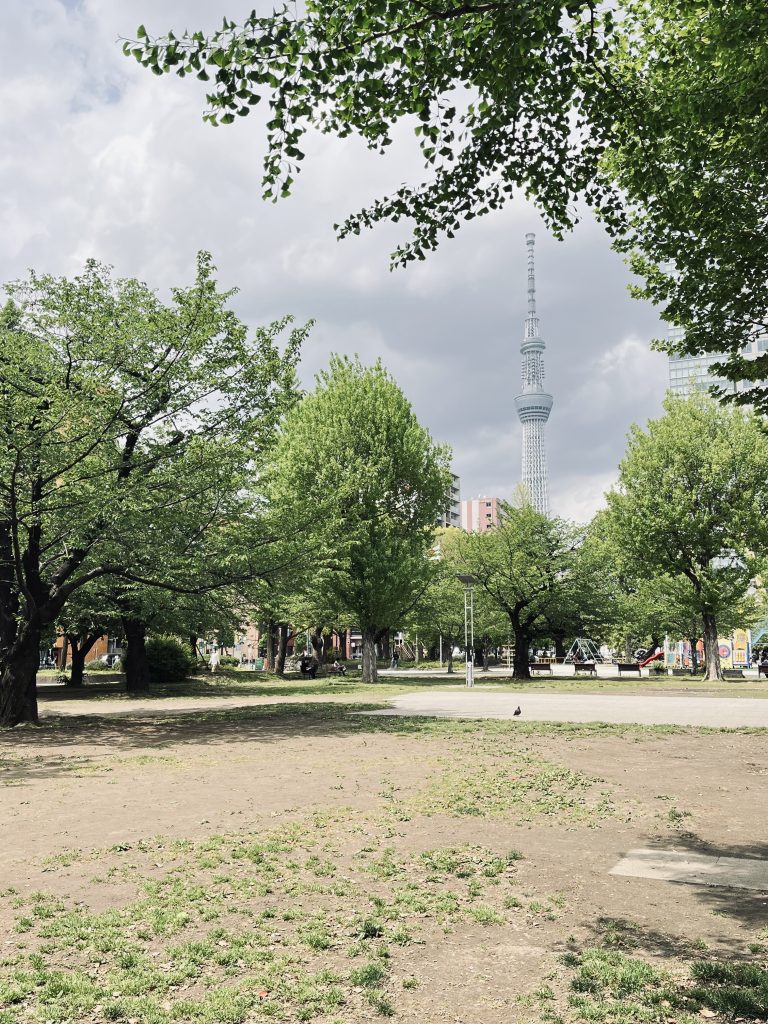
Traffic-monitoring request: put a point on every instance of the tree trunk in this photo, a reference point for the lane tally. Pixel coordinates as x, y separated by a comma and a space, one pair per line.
136, 664
560, 651
317, 640
78, 666
369, 670
711, 651
282, 645
80, 646
63, 657
269, 647
694, 655
449, 656
193, 647
520, 665
18, 681
486, 648
628, 653
342, 635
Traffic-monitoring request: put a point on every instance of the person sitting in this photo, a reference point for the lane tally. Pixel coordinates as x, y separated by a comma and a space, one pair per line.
338, 667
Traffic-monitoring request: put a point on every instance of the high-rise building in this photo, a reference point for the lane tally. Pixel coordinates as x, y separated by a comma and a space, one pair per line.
479, 514
694, 373
451, 516
533, 403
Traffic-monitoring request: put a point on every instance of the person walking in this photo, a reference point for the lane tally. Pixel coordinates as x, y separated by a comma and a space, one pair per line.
395, 663
214, 661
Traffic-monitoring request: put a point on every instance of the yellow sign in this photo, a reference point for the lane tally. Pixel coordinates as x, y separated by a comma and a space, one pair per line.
740, 647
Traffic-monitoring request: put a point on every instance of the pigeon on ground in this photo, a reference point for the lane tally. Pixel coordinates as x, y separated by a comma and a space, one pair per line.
517, 711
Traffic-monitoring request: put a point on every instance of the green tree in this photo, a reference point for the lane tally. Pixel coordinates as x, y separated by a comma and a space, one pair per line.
690, 156
353, 456
692, 503
523, 565
651, 110
439, 613
131, 430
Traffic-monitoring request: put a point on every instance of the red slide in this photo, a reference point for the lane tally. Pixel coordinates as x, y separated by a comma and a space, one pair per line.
653, 657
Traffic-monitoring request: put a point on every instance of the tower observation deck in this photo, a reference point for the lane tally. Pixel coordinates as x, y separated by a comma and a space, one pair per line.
533, 403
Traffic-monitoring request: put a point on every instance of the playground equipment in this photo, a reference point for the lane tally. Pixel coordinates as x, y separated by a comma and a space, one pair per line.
652, 657
583, 649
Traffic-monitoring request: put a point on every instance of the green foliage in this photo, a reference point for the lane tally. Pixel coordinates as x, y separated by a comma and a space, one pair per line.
371, 534
692, 506
557, 101
169, 662
462, 76
524, 567
129, 426
689, 155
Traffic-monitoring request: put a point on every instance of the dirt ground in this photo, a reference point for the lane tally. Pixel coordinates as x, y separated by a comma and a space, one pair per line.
483, 848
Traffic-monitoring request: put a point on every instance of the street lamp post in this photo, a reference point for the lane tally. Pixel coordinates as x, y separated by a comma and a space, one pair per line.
469, 626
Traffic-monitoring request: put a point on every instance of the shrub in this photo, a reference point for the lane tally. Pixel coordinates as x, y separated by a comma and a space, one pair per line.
168, 660
227, 661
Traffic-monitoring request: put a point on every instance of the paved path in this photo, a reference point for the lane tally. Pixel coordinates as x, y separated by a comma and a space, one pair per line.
656, 709
694, 868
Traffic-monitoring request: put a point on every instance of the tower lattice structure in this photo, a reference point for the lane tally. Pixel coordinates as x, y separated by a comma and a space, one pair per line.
533, 403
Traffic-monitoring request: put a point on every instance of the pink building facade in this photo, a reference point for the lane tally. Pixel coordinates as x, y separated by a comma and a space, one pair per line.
479, 514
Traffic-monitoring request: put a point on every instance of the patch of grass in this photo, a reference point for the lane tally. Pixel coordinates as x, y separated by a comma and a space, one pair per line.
522, 787
371, 975
483, 914
611, 987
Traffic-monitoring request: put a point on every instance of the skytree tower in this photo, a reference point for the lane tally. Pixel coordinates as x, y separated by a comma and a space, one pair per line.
534, 404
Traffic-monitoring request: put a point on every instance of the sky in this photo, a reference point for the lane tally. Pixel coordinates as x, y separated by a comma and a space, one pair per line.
100, 158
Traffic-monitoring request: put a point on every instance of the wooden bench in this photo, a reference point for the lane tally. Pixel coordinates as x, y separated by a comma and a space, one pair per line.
585, 666
628, 667
541, 666
762, 670
682, 671
732, 673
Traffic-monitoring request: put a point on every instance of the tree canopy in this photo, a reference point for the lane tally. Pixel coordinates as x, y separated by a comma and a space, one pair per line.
692, 503
131, 430
523, 565
652, 111
354, 461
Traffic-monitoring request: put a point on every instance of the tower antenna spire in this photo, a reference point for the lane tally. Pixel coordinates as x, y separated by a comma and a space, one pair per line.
533, 403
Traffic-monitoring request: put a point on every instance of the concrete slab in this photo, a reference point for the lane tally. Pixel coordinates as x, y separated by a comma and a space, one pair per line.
650, 709
694, 869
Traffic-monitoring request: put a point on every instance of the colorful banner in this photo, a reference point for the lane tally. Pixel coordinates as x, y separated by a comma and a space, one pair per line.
741, 652
726, 653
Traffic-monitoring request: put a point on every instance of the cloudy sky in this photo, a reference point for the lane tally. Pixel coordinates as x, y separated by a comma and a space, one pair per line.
103, 159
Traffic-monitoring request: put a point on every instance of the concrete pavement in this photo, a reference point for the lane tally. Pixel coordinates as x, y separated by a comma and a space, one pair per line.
650, 709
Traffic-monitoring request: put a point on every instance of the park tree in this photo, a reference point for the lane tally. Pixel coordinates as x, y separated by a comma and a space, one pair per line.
130, 430
87, 616
353, 459
559, 101
692, 502
439, 613
523, 566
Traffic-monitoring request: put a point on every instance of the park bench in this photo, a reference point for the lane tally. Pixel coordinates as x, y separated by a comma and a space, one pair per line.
541, 666
681, 671
586, 666
732, 673
628, 666
762, 670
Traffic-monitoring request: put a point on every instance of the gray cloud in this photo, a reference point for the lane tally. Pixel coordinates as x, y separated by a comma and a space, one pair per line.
102, 159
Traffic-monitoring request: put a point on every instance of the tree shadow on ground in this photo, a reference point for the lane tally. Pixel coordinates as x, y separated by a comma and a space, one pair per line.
234, 685
748, 906
629, 937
